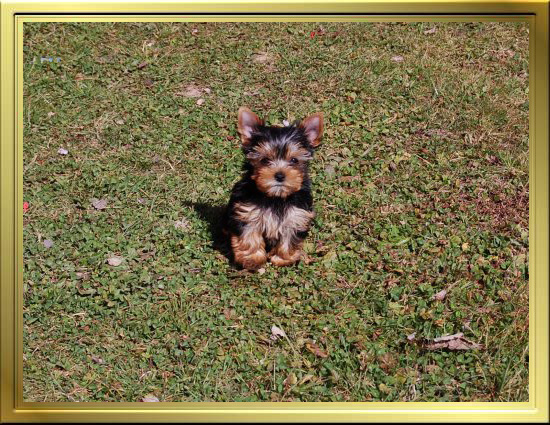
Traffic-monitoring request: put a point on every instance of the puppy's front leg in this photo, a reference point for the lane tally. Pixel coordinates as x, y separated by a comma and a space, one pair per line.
293, 231
249, 249
288, 251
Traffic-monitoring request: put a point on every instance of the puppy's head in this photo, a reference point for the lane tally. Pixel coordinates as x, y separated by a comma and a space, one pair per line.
279, 156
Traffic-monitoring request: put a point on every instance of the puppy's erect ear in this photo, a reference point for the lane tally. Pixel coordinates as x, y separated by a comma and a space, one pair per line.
313, 127
248, 123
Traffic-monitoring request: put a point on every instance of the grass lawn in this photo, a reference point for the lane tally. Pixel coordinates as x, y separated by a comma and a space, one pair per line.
420, 185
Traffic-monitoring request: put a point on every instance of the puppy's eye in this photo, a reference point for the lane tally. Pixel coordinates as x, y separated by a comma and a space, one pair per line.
294, 161
264, 161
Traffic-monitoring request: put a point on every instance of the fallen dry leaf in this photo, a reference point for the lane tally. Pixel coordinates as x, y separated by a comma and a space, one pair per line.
387, 362
83, 275
200, 101
440, 296
115, 261
149, 399
277, 333
453, 343
313, 348
448, 337
191, 91
145, 254
99, 204
431, 31
261, 57
97, 360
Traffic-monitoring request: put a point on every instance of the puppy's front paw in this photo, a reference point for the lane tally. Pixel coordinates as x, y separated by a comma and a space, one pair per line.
249, 252
282, 261
252, 262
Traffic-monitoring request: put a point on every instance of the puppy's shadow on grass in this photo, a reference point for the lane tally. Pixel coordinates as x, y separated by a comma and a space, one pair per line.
214, 216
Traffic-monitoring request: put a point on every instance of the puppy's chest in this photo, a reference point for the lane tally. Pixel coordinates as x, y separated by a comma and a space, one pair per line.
274, 224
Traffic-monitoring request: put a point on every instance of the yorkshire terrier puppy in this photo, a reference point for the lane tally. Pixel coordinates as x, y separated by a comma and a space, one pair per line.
271, 207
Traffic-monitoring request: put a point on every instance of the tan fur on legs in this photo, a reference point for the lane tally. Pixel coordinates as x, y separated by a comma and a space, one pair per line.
285, 255
249, 250
289, 248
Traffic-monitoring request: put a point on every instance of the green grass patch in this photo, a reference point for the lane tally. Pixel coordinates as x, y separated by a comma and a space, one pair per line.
420, 185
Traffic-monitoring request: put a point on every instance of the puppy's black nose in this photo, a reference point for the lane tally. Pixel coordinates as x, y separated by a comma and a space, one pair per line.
279, 176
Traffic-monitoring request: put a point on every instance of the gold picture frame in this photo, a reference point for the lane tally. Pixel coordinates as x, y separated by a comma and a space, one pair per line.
14, 14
